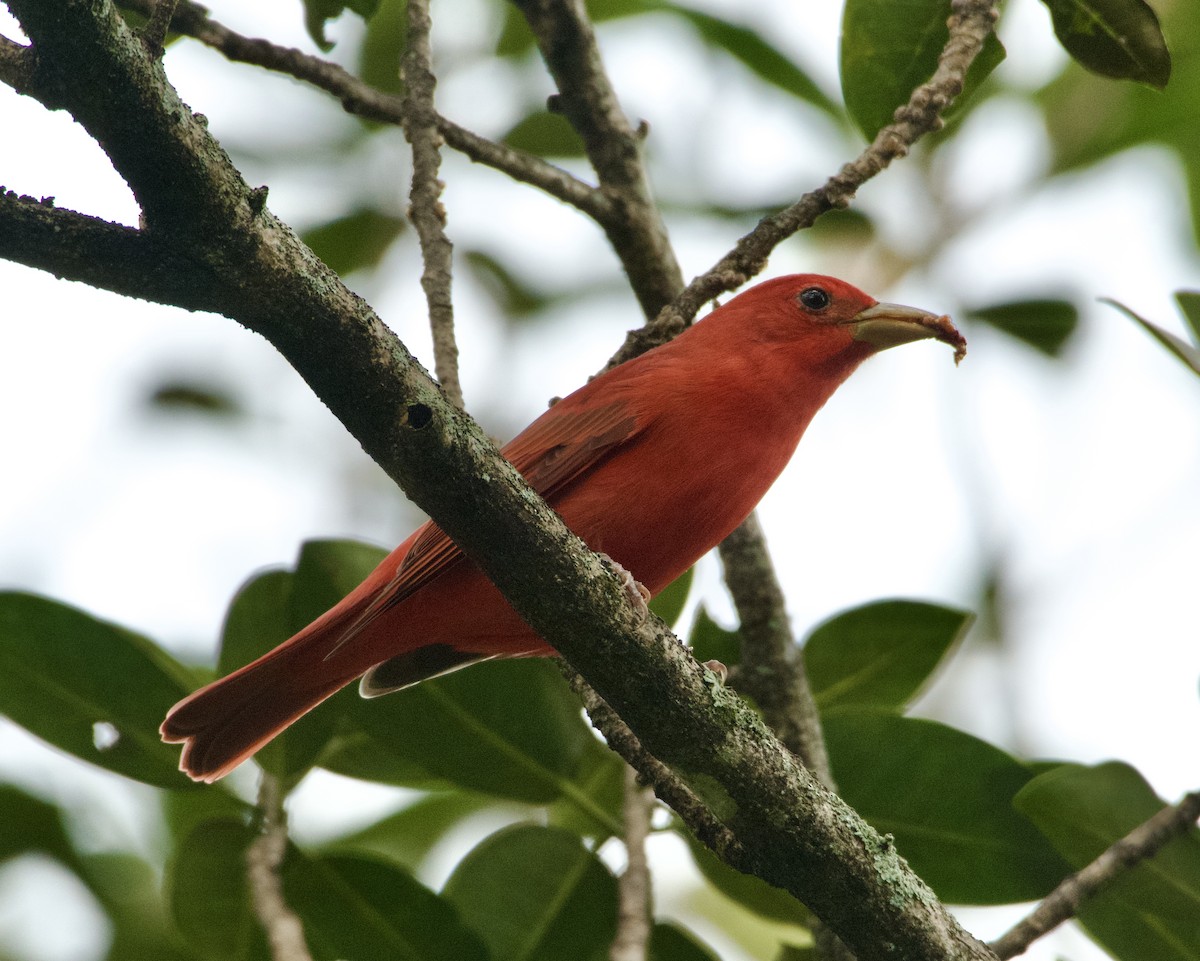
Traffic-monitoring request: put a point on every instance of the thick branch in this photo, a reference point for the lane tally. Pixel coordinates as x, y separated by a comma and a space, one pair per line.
425, 210
1140, 844
635, 229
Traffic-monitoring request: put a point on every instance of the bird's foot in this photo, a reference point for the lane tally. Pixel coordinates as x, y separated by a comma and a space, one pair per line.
636, 591
718, 669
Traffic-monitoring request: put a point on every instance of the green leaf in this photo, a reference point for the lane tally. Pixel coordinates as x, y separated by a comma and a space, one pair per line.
1114, 38
946, 797
369, 910
750, 892
1043, 324
407, 836
1189, 355
670, 942
379, 57
670, 600
272, 607
511, 729
352, 907
356, 241
89, 687
28, 825
130, 891
206, 890
889, 48
545, 134
709, 641
1150, 912
536, 894
880, 654
319, 12
185, 395
515, 296
758, 54
1189, 304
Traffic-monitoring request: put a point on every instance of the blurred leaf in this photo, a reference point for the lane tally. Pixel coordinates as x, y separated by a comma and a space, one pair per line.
880, 654
369, 910
1088, 118
193, 396
670, 600
352, 907
750, 892
130, 892
946, 797
517, 40
1114, 38
272, 607
1176, 345
356, 241
319, 12
1151, 912
379, 57
509, 728
536, 894
517, 298
670, 942
886, 54
710, 641
89, 687
758, 54
1189, 304
545, 134
355, 753
600, 775
206, 890
407, 836
183, 811
1045, 325
30, 825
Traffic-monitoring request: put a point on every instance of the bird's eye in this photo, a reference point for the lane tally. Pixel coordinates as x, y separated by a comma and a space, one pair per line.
814, 298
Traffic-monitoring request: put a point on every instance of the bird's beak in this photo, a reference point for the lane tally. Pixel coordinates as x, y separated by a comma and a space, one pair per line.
889, 325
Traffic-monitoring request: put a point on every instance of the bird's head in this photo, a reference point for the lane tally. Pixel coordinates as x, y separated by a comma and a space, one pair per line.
815, 309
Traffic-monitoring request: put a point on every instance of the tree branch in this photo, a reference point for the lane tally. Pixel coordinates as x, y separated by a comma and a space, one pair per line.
634, 914
363, 100
586, 98
16, 64
1140, 844
426, 212
772, 670
264, 857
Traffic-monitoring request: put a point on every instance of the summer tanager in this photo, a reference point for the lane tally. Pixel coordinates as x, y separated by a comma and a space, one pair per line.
653, 463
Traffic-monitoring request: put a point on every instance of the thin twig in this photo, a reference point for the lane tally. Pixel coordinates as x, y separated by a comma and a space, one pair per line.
426, 211
1063, 902
154, 32
16, 63
970, 23
363, 100
285, 932
634, 913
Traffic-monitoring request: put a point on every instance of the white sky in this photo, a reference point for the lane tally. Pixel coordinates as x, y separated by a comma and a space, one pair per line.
1083, 475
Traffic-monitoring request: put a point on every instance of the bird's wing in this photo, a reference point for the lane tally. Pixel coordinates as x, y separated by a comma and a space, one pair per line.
554, 450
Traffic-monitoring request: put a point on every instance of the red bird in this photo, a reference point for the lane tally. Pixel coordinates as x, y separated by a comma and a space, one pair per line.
653, 462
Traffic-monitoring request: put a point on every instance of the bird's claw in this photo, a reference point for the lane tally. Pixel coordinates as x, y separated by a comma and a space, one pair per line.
718, 669
635, 590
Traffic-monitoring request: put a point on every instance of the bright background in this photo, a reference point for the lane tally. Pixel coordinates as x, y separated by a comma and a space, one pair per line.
1074, 481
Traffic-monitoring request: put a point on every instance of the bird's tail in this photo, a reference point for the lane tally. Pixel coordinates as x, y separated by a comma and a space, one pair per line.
225, 722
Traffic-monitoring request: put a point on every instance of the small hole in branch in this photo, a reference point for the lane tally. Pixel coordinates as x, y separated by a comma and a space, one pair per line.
416, 416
